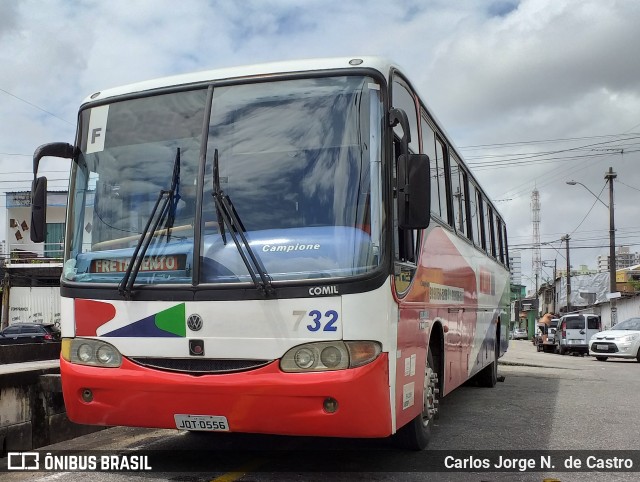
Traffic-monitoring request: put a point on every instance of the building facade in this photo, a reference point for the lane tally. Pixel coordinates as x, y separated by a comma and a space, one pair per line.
515, 266
31, 283
624, 259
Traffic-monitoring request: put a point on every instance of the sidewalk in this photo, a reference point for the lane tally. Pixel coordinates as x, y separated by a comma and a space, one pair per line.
524, 353
28, 366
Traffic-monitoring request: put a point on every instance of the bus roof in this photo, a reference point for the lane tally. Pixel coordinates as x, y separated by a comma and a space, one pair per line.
247, 71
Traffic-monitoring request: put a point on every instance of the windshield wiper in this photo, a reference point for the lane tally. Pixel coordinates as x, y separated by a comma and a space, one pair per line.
228, 216
174, 195
216, 188
169, 199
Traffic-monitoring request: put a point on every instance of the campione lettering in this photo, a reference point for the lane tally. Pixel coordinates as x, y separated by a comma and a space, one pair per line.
287, 248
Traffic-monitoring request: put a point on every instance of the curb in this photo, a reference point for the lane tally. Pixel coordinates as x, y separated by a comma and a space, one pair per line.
525, 364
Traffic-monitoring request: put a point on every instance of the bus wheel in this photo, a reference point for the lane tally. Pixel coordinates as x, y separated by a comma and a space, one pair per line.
416, 434
488, 376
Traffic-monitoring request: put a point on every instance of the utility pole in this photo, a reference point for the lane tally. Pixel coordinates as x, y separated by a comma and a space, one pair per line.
566, 238
613, 292
555, 270
610, 176
554, 284
537, 299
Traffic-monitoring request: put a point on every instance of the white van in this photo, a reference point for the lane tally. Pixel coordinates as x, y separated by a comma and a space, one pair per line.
574, 332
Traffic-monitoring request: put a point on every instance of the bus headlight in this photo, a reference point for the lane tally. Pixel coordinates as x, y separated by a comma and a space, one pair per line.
329, 355
85, 351
304, 358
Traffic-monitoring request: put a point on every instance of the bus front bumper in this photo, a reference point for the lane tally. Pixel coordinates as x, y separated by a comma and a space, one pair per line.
265, 400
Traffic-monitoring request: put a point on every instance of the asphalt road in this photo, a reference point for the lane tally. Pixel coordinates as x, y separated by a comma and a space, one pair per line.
547, 402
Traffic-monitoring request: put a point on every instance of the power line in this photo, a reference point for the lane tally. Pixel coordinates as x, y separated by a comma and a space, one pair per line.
36, 106
547, 141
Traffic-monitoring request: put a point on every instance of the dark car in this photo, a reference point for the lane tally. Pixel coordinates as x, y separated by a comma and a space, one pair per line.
21, 333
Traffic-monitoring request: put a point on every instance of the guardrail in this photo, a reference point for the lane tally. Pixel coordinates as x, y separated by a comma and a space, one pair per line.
28, 254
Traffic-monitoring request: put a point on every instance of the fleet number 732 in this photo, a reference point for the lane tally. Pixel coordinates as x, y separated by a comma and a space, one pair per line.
317, 321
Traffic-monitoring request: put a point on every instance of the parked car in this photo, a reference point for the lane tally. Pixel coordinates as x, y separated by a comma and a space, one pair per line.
574, 332
621, 341
520, 334
22, 333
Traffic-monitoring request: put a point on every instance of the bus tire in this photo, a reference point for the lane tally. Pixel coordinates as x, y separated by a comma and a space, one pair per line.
416, 434
488, 376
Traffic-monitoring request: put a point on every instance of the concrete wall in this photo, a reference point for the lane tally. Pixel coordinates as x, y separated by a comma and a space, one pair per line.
29, 352
32, 411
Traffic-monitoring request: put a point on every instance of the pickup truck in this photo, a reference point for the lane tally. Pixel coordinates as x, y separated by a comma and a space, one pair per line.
552, 330
545, 336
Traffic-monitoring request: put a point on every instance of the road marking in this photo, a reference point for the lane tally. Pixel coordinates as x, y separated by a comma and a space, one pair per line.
241, 472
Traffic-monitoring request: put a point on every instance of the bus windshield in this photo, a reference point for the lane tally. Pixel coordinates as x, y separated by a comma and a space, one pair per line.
299, 162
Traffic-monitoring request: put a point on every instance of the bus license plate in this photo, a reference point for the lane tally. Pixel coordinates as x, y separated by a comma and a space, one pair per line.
202, 423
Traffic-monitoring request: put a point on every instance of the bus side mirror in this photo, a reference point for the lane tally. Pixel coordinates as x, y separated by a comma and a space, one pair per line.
39, 187
414, 191
53, 149
38, 210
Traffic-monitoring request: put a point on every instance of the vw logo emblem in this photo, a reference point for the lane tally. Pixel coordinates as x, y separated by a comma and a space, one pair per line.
194, 322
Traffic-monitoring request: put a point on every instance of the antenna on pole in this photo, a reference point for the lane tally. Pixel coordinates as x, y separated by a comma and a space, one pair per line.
536, 263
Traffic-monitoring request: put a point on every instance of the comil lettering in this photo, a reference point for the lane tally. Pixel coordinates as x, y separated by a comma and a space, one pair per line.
323, 290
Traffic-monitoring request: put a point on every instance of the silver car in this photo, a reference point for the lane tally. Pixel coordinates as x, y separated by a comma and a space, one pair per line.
520, 334
621, 341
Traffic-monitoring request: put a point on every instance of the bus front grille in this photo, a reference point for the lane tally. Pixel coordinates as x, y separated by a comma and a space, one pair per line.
199, 366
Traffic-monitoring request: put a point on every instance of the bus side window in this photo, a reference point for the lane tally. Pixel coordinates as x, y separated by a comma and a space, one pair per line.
459, 197
488, 226
484, 235
506, 246
402, 99
441, 159
497, 236
429, 148
474, 214
433, 147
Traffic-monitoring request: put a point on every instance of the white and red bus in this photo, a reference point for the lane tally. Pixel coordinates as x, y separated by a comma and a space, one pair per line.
293, 248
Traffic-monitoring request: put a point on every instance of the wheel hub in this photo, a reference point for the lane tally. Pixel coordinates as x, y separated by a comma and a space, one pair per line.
431, 391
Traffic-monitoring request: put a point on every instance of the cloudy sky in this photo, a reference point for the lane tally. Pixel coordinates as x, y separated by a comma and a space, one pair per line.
533, 92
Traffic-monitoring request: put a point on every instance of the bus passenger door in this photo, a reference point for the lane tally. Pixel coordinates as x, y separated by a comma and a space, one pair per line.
412, 342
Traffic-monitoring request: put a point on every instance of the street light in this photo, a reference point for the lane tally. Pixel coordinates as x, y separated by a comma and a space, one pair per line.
573, 183
609, 177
